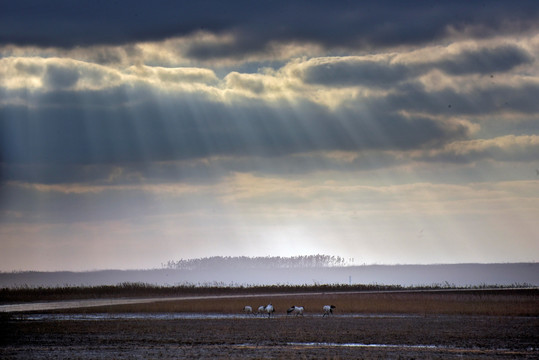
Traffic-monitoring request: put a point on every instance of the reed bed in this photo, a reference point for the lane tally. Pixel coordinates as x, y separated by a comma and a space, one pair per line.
123, 290
27, 294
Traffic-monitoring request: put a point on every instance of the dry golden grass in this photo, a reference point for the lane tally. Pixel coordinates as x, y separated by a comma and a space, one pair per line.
438, 303
503, 303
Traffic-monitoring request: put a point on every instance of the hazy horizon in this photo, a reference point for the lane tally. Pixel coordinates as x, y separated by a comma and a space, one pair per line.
133, 133
345, 264
440, 275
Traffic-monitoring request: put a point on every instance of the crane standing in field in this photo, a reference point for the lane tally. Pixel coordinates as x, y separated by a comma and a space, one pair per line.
328, 310
270, 310
247, 309
296, 310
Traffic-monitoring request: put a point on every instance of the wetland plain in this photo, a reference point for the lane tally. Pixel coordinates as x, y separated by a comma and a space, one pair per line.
428, 324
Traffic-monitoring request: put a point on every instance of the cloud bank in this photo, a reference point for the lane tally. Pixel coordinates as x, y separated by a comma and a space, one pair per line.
220, 128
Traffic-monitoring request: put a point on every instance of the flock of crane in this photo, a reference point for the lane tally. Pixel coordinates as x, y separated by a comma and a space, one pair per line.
293, 310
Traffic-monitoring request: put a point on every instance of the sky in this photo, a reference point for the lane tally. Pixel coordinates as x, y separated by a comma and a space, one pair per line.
135, 132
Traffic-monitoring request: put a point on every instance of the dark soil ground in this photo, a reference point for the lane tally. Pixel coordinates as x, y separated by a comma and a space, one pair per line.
311, 337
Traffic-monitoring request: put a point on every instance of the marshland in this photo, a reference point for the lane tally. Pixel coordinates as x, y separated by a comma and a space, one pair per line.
369, 321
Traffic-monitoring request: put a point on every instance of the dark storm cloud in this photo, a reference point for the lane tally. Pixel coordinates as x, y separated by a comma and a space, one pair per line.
88, 127
502, 98
255, 24
486, 60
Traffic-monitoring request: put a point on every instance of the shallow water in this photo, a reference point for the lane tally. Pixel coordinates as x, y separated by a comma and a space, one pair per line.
399, 346
126, 316
175, 316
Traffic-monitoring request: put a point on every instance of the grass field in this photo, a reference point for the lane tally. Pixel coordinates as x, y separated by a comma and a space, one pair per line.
506, 304
371, 323
347, 299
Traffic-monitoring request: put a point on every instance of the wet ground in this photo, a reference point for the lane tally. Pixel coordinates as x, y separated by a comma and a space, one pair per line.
172, 336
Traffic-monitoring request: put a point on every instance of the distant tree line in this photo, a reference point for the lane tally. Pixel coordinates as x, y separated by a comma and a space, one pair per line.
245, 262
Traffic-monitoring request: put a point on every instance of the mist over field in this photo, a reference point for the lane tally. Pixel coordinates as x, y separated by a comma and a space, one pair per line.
461, 275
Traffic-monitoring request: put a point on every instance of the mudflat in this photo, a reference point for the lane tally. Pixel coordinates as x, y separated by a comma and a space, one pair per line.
345, 336
470, 324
